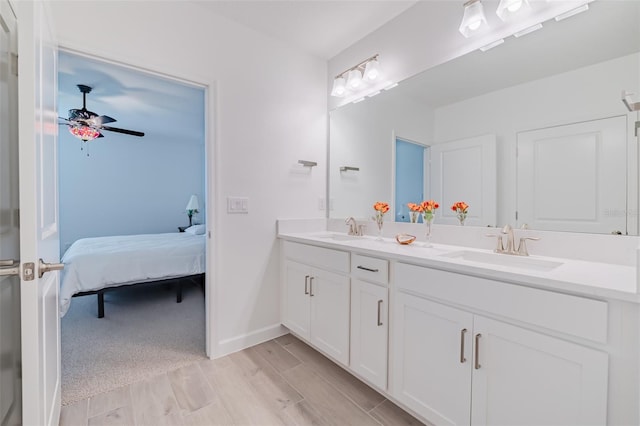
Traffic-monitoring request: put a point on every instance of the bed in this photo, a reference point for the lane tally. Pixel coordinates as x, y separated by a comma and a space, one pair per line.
94, 265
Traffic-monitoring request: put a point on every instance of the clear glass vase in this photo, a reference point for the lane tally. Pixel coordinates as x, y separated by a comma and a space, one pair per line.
380, 224
414, 216
461, 218
427, 224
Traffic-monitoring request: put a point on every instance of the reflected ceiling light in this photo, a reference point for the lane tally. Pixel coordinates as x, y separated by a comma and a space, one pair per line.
572, 12
508, 8
526, 31
390, 86
492, 45
367, 74
473, 17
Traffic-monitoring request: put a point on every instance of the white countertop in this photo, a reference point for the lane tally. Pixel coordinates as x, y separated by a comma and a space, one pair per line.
588, 278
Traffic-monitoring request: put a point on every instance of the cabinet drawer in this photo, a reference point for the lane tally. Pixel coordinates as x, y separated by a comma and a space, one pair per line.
370, 268
333, 260
574, 315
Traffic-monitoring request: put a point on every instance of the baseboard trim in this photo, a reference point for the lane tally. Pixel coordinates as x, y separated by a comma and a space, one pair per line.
243, 341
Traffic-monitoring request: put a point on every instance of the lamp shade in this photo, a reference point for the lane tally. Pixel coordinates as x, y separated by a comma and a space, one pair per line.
473, 17
339, 87
85, 133
372, 71
354, 79
192, 205
508, 8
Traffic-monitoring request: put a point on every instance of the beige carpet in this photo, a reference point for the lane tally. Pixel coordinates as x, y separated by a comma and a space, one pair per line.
144, 333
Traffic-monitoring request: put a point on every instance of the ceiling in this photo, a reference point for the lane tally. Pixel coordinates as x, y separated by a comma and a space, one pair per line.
323, 28
155, 105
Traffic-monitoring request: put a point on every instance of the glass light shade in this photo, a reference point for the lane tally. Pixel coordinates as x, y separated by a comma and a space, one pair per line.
372, 71
473, 17
339, 87
354, 79
508, 8
84, 133
192, 204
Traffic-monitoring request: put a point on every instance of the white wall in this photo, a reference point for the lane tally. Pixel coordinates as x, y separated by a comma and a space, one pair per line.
362, 135
267, 110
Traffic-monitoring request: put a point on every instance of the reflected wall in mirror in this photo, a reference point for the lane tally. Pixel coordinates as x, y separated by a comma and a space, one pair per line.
541, 96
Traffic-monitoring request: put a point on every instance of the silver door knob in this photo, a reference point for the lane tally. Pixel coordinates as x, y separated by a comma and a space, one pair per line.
46, 267
9, 267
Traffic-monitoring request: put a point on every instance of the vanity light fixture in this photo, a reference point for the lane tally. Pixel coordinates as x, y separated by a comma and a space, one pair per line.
358, 77
508, 8
529, 30
573, 12
473, 17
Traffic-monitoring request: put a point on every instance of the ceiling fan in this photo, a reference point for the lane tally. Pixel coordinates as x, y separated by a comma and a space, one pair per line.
86, 125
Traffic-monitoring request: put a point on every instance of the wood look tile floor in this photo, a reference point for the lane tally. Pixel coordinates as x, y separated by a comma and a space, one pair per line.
280, 382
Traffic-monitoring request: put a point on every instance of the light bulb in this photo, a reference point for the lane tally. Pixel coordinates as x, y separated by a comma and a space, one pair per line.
475, 25
515, 6
354, 80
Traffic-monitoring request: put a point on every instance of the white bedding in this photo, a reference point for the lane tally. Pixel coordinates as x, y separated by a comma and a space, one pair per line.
95, 263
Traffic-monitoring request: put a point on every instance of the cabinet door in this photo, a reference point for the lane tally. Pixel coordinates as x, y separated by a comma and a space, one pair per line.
369, 331
296, 303
529, 378
329, 294
432, 359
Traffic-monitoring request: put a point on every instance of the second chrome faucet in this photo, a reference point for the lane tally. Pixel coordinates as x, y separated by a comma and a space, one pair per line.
510, 247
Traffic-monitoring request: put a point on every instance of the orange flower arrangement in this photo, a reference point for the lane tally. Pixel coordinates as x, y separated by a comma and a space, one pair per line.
429, 208
460, 207
380, 208
415, 210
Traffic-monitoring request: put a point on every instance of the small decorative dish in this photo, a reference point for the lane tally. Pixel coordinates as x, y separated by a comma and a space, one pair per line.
405, 239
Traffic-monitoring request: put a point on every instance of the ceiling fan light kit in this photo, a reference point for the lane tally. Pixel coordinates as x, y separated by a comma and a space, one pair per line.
86, 125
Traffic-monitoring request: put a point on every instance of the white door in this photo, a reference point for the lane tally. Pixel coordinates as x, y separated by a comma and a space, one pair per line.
40, 321
521, 377
10, 388
432, 360
369, 331
329, 295
570, 179
465, 170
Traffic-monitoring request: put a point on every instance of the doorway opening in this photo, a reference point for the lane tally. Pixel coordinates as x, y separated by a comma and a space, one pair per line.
120, 186
412, 176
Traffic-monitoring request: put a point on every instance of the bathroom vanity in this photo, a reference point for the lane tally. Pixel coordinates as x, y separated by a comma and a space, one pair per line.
460, 335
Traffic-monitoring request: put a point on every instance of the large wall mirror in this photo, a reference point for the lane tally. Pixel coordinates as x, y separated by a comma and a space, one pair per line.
565, 152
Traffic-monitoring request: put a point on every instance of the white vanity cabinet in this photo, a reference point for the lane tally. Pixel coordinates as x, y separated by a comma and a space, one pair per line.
454, 365
316, 297
369, 318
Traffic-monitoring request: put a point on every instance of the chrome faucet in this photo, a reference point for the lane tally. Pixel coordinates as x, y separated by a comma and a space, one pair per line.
510, 248
354, 229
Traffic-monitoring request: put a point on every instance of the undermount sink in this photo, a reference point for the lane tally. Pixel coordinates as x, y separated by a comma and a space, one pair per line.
339, 237
521, 262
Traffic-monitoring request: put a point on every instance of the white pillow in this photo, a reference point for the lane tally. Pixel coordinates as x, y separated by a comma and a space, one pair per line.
195, 230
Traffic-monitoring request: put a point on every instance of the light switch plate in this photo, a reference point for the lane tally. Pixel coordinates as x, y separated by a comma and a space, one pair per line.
237, 205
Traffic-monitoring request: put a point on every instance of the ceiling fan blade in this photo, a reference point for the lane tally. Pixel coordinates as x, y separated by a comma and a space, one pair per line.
103, 119
125, 131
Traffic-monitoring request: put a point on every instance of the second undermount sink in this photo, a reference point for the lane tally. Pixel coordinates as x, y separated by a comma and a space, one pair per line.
520, 262
339, 237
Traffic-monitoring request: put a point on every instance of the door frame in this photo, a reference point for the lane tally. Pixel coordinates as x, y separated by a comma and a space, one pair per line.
212, 191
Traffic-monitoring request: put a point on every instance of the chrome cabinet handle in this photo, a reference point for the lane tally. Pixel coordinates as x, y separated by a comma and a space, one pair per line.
367, 269
462, 358
379, 315
311, 286
306, 284
477, 352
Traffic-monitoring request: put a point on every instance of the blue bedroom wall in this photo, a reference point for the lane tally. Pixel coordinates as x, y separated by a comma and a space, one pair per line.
130, 185
409, 177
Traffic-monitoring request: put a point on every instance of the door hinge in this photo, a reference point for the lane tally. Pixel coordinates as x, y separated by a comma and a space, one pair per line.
28, 271
637, 127
14, 64
516, 214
